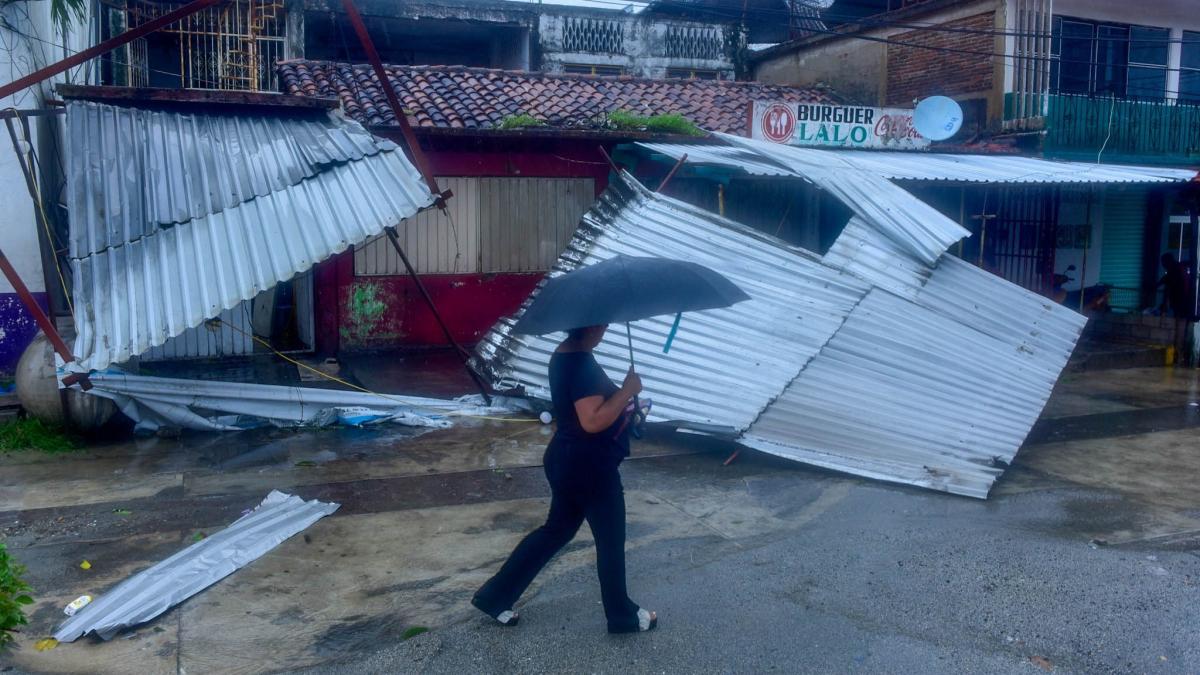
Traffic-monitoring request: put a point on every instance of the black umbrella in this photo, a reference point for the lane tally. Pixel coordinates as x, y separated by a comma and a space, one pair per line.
624, 289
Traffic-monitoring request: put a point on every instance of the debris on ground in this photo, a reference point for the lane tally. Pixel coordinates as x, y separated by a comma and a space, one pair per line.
153, 591
85, 565
1042, 662
158, 404
45, 645
77, 604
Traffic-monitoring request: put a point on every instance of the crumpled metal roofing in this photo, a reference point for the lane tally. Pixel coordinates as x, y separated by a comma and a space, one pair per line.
938, 393
153, 591
915, 226
930, 376
134, 170
146, 283
213, 405
932, 166
760, 344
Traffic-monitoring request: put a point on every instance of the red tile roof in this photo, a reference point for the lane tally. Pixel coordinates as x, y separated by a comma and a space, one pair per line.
478, 98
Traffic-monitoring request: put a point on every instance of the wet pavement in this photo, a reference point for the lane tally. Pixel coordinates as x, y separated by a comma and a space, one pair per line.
1085, 559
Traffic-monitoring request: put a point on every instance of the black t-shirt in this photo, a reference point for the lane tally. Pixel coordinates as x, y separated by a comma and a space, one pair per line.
575, 376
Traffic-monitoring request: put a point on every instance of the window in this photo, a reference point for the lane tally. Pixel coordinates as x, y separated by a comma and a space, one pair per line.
232, 45
1148, 49
693, 74
588, 69
1189, 67
1108, 59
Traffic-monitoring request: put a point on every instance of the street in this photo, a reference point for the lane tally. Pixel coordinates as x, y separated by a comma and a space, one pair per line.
1085, 559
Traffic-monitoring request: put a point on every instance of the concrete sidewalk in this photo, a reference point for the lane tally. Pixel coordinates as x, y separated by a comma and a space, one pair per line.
1085, 559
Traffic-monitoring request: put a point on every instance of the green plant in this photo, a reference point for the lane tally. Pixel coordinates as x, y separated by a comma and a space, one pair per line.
14, 595
33, 434
521, 121
413, 632
670, 123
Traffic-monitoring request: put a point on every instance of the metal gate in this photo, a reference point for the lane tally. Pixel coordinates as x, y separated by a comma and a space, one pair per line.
1013, 233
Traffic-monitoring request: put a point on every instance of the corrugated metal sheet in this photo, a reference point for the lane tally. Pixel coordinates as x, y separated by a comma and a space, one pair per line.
931, 166
496, 225
156, 589
133, 170
435, 243
140, 291
864, 252
525, 223
931, 377
719, 155
230, 337
932, 393
915, 226
725, 365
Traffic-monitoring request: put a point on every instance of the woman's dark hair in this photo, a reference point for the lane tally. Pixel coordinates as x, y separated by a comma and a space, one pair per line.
576, 333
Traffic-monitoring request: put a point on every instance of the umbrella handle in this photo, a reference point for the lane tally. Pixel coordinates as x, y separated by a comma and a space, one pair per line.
636, 428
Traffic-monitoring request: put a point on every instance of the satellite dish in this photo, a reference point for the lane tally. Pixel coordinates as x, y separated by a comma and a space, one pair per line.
938, 118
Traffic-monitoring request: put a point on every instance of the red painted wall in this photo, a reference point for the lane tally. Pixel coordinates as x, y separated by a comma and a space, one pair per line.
387, 311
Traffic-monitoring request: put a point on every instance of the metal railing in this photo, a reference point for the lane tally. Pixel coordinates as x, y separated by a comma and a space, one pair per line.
1123, 129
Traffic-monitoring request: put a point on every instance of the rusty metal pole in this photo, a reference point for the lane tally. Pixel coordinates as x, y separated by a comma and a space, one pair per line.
41, 319
462, 353
418, 158
671, 174
385, 83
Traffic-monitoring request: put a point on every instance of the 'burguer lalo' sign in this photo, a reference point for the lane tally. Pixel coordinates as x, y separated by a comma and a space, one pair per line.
829, 125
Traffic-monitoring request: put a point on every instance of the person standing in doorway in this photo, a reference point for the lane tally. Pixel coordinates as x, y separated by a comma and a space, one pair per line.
581, 463
1174, 283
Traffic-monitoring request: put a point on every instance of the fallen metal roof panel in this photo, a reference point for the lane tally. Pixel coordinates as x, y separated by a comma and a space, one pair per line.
133, 170
940, 393
134, 294
931, 166
931, 377
864, 252
719, 155
156, 589
921, 230
726, 364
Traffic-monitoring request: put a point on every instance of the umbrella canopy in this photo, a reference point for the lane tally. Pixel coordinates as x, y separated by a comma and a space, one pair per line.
623, 289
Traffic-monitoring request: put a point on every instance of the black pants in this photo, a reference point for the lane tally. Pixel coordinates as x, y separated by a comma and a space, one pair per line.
581, 486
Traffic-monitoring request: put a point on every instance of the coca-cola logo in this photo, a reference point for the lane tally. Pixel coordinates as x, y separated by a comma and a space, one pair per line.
891, 127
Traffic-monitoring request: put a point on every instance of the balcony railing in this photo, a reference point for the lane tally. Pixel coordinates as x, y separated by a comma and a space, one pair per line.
1143, 131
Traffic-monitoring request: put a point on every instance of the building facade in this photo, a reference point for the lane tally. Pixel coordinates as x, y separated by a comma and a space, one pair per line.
1087, 80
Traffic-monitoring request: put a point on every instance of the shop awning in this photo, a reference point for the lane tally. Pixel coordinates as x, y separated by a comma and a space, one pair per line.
929, 166
176, 217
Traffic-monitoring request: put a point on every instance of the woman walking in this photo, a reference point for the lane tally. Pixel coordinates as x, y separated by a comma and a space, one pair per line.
581, 463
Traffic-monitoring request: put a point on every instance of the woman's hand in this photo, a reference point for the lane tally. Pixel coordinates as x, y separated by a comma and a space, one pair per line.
597, 413
632, 386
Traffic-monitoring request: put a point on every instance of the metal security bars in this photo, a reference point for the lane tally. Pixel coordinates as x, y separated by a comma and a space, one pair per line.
231, 46
593, 35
